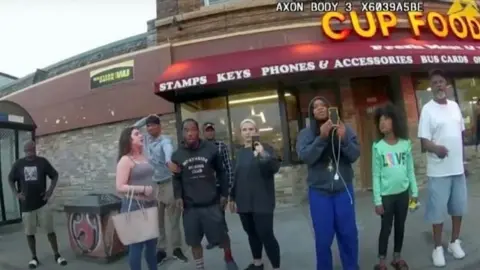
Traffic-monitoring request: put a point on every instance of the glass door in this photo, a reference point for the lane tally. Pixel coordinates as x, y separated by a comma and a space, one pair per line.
8, 152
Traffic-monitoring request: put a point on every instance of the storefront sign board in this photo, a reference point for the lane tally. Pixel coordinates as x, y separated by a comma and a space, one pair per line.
461, 21
112, 74
385, 55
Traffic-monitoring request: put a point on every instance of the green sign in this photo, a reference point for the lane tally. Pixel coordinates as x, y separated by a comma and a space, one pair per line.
112, 74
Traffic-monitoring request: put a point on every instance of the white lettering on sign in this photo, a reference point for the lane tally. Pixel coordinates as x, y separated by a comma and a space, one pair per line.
373, 61
425, 47
476, 59
397, 47
323, 64
183, 83
288, 68
234, 75
445, 59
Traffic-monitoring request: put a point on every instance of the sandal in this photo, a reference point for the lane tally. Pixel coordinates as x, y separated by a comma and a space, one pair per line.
380, 267
400, 265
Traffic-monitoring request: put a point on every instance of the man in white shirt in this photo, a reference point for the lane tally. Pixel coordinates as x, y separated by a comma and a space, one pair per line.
440, 130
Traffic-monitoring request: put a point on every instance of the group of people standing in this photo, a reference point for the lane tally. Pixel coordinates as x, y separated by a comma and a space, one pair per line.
198, 182
329, 151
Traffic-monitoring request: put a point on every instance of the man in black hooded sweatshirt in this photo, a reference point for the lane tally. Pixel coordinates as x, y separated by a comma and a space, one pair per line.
329, 152
195, 191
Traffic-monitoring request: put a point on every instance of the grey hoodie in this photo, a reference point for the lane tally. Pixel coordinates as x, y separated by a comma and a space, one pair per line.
317, 153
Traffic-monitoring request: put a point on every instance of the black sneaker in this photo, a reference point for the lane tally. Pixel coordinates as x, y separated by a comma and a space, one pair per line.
161, 257
33, 263
254, 267
60, 260
178, 254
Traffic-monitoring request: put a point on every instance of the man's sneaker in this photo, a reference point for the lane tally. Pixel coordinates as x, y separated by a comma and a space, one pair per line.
178, 254
161, 257
254, 267
60, 260
438, 257
33, 263
231, 265
456, 249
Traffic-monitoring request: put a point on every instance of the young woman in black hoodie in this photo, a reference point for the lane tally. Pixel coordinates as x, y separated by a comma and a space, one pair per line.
253, 195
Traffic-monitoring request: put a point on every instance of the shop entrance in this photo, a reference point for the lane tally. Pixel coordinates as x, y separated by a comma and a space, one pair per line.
369, 94
16, 128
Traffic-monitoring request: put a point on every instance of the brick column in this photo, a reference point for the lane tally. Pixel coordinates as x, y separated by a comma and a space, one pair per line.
350, 117
412, 113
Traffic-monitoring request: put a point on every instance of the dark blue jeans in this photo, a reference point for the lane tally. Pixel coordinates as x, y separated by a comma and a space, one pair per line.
135, 250
135, 254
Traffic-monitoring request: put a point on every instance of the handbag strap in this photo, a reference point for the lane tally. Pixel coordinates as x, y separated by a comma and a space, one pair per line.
130, 196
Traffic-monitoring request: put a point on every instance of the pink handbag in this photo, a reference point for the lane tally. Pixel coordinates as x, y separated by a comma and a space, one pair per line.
136, 226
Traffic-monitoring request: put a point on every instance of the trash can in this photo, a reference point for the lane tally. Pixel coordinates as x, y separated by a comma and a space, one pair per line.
90, 227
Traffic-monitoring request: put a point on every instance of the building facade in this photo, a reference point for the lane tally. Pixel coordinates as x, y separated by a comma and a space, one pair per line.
222, 61
238, 59
80, 107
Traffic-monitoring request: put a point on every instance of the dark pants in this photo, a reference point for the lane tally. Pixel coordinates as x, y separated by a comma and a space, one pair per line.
204, 221
395, 210
334, 215
259, 228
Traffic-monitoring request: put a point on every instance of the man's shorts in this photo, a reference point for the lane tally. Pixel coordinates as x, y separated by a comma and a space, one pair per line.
446, 195
204, 221
42, 217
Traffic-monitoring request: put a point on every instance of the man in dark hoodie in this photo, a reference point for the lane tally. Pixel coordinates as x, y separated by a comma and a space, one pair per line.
329, 152
195, 191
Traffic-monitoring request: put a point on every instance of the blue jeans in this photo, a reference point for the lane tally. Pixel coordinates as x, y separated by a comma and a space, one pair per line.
135, 254
135, 250
334, 215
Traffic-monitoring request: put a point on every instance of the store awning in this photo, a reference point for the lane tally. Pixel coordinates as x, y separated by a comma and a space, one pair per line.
309, 57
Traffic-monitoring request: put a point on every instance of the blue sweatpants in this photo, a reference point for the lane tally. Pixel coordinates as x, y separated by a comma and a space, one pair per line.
334, 215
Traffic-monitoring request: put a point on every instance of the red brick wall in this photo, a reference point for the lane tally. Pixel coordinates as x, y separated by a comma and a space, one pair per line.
412, 112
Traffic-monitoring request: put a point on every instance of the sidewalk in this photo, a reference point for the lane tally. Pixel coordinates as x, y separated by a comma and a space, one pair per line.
294, 234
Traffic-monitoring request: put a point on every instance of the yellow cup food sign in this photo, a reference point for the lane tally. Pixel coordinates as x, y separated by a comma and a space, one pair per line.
461, 21
111, 74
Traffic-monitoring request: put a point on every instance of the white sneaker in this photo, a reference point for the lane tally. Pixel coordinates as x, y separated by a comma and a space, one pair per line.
438, 258
456, 249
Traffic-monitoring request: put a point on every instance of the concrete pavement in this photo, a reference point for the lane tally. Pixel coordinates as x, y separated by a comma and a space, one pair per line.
294, 234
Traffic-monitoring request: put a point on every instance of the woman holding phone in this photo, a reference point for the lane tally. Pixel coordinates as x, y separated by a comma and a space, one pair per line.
253, 194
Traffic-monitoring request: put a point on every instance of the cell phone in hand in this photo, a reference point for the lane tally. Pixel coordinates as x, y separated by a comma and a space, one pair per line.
333, 115
255, 141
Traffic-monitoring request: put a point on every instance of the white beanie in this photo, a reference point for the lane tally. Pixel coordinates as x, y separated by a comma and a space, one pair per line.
248, 120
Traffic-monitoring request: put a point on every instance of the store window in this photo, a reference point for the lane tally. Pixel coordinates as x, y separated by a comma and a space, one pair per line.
209, 110
468, 93
293, 117
263, 108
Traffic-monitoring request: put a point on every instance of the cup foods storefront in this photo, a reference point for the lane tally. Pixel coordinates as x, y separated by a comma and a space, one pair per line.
274, 84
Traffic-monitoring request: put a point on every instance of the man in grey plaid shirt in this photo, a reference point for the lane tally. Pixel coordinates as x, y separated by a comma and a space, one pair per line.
209, 135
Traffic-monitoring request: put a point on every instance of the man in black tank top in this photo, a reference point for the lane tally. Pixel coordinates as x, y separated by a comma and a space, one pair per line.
195, 191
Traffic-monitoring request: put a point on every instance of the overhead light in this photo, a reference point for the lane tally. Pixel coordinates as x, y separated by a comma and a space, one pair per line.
248, 100
265, 129
429, 89
262, 116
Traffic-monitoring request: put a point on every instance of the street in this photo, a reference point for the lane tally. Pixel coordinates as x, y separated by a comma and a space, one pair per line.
294, 234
